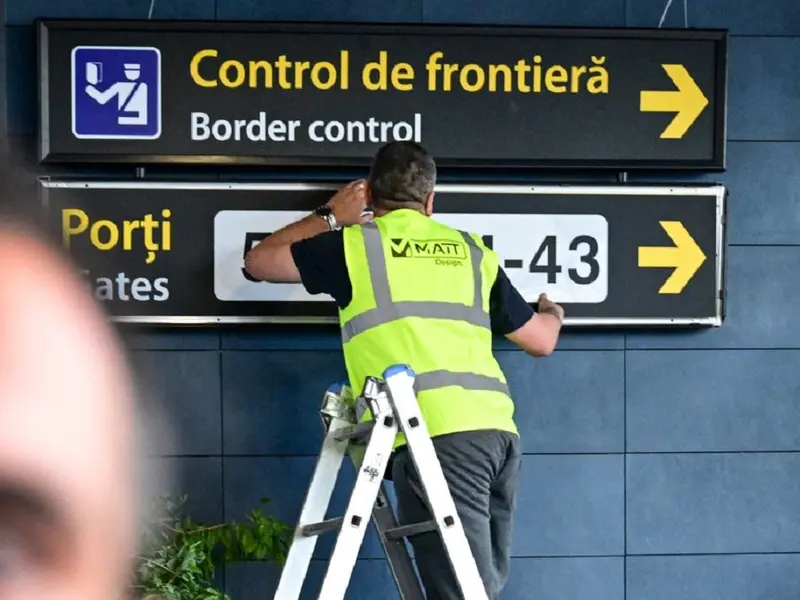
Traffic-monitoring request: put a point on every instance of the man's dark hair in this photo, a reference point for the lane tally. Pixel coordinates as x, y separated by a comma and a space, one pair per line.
403, 174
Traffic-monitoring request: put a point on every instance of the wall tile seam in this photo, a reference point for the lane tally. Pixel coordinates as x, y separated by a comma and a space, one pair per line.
716, 452
566, 454
763, 35
712, 554
753, 141
714, 348
709, 452
571, 453
155, 349
654, 348
639, 335
593, 556
575, 454
334, 349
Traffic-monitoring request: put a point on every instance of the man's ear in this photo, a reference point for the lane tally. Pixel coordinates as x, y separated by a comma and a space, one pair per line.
429, 204
368, 193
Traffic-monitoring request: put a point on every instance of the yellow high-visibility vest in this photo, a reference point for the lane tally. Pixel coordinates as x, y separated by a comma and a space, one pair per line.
421, 297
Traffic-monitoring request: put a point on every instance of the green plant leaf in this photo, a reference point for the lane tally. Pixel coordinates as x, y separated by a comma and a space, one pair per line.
183, 555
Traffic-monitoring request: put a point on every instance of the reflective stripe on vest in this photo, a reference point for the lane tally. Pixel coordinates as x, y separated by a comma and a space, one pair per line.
469, 381
386, 311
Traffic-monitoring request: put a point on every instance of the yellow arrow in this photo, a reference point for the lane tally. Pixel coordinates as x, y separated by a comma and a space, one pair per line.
685, 257
688, 102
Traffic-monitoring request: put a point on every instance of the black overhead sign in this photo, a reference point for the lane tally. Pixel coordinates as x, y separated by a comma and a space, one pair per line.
328, 95
159, 252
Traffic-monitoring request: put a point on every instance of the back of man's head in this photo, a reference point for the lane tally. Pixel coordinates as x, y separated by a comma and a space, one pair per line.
403, 175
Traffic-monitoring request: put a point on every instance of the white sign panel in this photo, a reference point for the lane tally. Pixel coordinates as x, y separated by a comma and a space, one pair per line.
564, 256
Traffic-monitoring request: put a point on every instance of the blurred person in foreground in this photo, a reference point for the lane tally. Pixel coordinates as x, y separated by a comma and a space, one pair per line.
68, 497
398, 305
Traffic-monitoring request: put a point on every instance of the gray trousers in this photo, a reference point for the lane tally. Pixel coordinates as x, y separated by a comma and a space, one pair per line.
482, 471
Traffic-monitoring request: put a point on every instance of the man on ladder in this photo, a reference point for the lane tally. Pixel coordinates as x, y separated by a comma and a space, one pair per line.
398, 306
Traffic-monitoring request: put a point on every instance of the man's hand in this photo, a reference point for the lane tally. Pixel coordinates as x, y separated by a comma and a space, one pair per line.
349, 202
271, 260
539, 336
549, 307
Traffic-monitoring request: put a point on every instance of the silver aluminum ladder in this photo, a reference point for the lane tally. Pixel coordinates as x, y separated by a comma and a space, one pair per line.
393, 405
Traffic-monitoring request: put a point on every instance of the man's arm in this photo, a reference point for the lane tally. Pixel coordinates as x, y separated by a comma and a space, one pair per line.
271, 260
539, 335
536, 333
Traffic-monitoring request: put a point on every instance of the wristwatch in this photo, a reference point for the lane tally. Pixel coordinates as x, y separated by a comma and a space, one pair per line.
325, 212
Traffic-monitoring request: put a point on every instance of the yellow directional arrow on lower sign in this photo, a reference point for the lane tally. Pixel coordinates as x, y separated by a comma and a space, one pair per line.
685, 257
687, 101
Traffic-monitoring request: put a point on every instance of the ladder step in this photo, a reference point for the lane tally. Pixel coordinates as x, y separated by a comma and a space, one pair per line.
322, 527
354, 434
396, 533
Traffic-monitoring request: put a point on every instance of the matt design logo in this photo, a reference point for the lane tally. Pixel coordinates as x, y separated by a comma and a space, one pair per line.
406, 248
116, 93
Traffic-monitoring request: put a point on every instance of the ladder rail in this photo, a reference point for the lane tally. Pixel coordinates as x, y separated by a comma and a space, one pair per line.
369, 479
385, 520
315, 505
400, 387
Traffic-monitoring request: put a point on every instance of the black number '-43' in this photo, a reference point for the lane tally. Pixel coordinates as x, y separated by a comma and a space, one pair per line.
547, 251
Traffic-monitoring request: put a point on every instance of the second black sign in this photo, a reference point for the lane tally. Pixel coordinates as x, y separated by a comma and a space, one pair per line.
165, 252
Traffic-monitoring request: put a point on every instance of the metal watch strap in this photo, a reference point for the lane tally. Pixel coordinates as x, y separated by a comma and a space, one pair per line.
324, 212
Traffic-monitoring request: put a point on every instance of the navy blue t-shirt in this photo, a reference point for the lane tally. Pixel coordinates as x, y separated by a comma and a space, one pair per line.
323, 270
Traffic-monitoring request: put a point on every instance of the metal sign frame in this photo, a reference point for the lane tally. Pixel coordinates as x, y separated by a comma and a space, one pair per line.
718, 191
